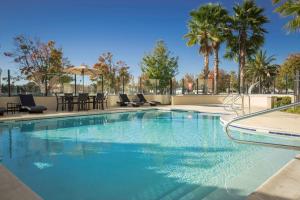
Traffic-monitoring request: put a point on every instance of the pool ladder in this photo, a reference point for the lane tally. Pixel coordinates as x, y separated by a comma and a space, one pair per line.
231, 104
255, 114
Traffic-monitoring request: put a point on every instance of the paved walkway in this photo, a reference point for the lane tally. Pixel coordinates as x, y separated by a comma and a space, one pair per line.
284, 185
277, 122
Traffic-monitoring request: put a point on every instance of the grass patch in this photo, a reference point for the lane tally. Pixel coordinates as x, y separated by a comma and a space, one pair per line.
282, 101
295, 110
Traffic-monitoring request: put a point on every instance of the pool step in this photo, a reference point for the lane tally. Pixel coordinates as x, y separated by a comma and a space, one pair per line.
198, 193
178, 192
157, 191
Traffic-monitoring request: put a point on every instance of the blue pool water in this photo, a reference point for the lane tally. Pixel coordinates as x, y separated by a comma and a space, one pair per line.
147, 155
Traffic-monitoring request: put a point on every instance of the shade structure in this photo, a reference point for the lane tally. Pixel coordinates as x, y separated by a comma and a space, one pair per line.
81, 70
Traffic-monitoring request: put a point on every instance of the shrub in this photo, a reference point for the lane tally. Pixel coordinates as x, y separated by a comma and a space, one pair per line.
281, 101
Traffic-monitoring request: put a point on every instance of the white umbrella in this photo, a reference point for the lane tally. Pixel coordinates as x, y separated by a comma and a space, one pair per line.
81, 70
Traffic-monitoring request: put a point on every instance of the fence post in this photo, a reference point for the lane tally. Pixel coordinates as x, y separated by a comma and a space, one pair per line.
197, 86
75, 84
171, 86
8, 83
46, 83
156, 86
274, 86
183, 86
102, 83
297, 91
286, 83
123, 83
140, 85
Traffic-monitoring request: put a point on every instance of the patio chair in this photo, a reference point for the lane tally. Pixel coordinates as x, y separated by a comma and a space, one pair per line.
124, 101
69, 101
143, 100
59, 101
83, 101
100, 100
28, 104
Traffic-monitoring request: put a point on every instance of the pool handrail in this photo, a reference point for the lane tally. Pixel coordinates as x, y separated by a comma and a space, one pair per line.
255, 114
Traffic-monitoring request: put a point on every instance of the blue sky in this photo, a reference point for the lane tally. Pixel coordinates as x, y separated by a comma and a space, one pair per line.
127, 28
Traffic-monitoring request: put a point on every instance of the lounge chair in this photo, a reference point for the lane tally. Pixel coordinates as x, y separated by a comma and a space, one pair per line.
2, 110
124, 101
28, 104
143, 100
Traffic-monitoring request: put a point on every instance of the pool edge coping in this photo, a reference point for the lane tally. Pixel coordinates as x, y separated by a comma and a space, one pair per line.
13, 188
35, 117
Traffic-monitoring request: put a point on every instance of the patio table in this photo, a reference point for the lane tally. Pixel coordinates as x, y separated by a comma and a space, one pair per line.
91, 97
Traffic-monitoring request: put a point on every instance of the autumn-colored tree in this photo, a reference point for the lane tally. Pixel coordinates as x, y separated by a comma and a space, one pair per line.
189, 82
123, 75
224, 79
38, 61
113, 73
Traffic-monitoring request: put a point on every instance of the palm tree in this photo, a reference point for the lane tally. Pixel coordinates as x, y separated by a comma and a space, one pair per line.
198, 34
247, 34
289, 8
218, 29
261, 68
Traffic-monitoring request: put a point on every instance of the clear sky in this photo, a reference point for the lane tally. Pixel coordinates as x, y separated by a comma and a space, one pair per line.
127, 28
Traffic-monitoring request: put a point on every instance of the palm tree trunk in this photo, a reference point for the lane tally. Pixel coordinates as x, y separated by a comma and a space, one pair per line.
242, 61
206, 68
216, 69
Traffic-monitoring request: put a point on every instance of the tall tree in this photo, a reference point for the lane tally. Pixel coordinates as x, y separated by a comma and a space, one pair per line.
160, 65
217, 34
289, 8
287, 72
123, 75
247, 35
199, 26
111, 71
39, 61
261, 68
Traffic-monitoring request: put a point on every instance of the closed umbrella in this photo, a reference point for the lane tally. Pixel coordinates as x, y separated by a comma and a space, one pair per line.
81, 70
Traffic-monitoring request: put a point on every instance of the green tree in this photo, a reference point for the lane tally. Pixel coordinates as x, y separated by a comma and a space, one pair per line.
287, 72
289, 8
199, 26
261, 68
160, 65
246, 36
233, 80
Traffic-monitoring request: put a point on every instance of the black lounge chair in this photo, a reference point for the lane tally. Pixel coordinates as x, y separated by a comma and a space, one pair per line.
143, 100
2, 110
124, 101
28, 104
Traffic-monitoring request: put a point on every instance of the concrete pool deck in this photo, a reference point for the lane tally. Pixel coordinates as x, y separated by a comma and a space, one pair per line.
11, 188
284, 185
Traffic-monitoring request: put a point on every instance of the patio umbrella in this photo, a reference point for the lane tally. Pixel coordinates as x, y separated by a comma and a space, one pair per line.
81, 70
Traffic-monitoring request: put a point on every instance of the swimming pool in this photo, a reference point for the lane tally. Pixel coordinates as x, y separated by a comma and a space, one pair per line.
144, 155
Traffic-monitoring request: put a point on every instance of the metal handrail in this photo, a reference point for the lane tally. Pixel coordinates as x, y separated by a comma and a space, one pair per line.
255, 114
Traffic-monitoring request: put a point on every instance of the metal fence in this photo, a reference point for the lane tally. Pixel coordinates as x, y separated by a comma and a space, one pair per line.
13, 83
